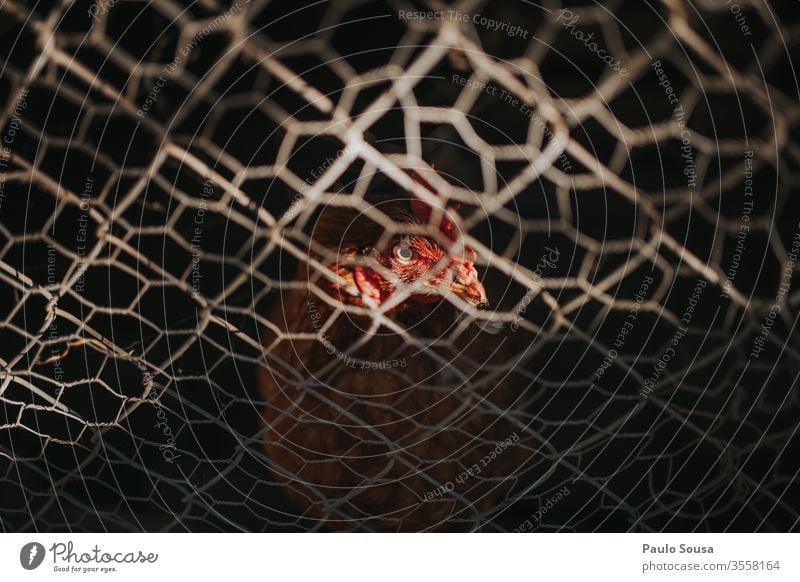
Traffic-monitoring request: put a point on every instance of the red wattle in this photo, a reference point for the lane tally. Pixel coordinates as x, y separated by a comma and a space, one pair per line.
369, 283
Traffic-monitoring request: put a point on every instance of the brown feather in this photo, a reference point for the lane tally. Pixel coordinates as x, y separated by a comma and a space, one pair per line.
371, 445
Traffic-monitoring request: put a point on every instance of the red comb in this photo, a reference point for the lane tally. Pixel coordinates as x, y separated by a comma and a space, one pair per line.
422, 209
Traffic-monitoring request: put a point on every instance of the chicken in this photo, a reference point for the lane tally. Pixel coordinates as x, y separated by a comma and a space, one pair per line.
382, 434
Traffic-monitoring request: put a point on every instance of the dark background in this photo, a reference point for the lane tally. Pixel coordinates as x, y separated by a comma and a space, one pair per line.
719, 452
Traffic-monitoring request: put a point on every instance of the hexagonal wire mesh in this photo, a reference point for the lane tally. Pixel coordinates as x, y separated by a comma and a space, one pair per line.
172, 356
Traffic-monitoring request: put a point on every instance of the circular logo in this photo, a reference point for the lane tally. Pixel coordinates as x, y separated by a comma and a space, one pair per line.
31, 555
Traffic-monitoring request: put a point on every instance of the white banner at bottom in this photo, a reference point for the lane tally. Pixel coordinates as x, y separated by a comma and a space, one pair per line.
400, 557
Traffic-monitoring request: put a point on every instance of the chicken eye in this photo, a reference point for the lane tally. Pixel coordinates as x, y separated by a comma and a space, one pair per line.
403, 253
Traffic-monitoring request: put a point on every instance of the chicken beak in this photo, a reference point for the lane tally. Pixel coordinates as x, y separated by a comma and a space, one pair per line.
467, 285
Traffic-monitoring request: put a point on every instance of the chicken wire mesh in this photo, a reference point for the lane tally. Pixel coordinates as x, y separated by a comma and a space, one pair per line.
170, 359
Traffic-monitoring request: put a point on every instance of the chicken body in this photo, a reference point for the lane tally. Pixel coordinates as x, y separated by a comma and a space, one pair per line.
387, 436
